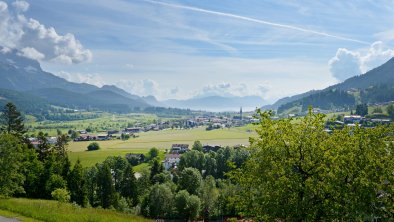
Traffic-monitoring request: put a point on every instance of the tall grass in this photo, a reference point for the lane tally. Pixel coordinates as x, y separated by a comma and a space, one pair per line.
53, 211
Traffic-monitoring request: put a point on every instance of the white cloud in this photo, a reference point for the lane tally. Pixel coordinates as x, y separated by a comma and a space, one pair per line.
145, 87
93, 79
31, 53
3, 6
21, 6
347, 63
229, 90
18, 32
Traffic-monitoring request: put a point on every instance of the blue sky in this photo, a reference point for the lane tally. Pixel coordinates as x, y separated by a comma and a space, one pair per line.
181, 49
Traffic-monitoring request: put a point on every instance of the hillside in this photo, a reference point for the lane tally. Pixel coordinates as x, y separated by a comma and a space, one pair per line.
375, 86
26, 102
25, 76
49, 210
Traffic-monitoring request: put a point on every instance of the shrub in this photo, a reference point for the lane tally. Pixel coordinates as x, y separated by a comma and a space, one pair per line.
93, 146
61, 195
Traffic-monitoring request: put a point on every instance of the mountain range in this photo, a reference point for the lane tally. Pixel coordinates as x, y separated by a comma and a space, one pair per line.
375, 86
21, 78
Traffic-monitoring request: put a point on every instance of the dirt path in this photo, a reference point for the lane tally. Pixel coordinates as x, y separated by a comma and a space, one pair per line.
5, 219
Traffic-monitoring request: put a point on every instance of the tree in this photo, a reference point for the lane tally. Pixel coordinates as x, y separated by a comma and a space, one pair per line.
105, 186
190, 179
129, 185
156, 168
44, 148
362, 109
12, 121
153, 153
197, 146
93, 146
390, 111
159, 202
298, 172
77, 185
11, 156
188, 206
90, 176
209, 196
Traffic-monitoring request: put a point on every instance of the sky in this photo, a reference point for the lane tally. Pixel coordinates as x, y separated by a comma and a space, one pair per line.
175, 49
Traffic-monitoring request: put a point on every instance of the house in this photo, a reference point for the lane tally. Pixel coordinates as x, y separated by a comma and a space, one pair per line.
171, 160
380, 121
133, 130
179, 148
102, 137
352, 119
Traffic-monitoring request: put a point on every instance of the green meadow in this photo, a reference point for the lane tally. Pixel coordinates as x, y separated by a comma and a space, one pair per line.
29, 210
161, 140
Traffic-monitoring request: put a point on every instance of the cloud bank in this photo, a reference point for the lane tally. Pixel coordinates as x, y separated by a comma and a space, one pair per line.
347, 63
230, 90
93, 79
36, 41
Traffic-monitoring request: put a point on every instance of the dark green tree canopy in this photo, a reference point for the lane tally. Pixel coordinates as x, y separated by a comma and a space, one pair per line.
11, 120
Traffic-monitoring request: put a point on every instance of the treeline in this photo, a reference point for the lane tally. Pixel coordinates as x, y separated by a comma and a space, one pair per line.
329, 99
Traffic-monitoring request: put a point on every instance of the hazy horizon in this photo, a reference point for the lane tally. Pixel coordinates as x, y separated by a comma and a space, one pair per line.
183, 49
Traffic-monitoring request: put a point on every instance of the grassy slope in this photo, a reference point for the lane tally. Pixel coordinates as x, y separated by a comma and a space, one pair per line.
47, 210
9, 214
160, 139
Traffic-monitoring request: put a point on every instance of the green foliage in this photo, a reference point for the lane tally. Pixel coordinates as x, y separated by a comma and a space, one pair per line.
194, 158
105, 187
377, 110
325, 99
55, 182
129, 185
49, 210
77, 185
209, 196
93, 146
11, 121
297, 172
362, 109
190, 180
153, 153
11, 166
159, 202
390, 111
187, 206
156, 168
197, 146
61, 195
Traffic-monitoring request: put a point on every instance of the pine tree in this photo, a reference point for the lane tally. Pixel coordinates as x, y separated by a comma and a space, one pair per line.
105, 186
12, 121
77, 186
129, 185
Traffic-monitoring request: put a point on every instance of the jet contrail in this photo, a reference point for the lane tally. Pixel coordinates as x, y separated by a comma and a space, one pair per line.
255, 21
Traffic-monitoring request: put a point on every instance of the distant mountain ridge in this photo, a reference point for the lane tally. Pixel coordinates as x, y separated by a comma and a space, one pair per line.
376, 85
25, 76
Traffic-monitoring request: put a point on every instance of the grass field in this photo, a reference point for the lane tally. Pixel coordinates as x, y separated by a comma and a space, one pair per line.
48, 210
161, 140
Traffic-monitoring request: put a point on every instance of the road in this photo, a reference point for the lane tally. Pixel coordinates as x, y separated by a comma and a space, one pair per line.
5, 219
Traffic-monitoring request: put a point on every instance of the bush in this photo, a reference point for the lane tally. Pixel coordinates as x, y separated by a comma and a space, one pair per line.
61, 195
93, 146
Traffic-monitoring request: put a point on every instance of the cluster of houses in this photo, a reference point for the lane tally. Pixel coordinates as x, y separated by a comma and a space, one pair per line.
353, 120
